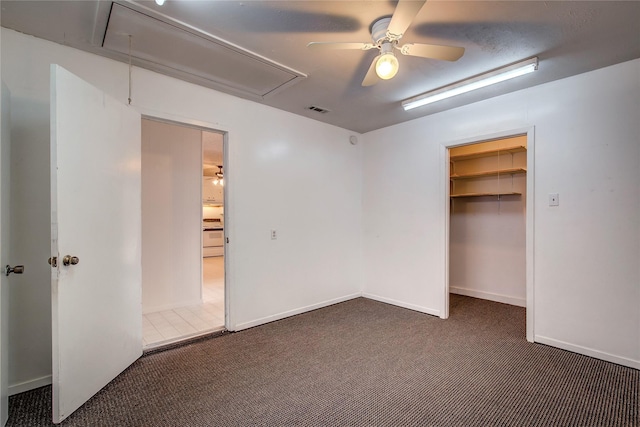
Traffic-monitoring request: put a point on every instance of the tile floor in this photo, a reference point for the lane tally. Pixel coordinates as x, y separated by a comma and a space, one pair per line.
165, 327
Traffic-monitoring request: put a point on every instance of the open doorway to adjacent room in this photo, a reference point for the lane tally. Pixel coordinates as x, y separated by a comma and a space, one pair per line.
183, 278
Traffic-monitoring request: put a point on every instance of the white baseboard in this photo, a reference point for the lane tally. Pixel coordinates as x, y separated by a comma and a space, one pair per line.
290, 313
588, 352
427, 310
29, 385
520, 302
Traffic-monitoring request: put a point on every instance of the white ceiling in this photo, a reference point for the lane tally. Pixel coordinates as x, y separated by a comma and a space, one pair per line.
569, 37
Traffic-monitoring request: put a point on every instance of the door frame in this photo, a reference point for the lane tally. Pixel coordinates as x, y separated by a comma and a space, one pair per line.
5, 242
529, 226
228, 210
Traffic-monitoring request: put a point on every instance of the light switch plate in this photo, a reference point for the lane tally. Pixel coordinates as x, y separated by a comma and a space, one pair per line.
554, 199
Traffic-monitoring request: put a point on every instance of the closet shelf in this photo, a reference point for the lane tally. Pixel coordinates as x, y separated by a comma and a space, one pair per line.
506, 193
488, 153
510, 171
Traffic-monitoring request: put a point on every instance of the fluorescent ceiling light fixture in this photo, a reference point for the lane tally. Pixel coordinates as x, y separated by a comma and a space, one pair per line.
473, 83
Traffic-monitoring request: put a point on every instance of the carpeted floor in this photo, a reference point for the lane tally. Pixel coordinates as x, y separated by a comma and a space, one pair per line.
362, 363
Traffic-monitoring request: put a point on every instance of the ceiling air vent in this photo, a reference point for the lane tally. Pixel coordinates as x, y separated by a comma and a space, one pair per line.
318, 109
170, 47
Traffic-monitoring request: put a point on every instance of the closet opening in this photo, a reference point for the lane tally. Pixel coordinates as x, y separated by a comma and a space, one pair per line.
183, 237
489, 247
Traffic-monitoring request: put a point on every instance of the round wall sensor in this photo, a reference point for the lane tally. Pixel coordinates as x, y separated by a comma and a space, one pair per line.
353, 139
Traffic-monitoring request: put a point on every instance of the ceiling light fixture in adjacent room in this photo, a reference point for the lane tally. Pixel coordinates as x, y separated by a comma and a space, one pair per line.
219, 179
159, 2
473, 83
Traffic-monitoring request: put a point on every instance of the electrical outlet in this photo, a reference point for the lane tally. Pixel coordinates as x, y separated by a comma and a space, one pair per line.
554, 199
274, 234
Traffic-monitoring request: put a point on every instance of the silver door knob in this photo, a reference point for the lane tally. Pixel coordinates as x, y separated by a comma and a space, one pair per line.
18, 269
68, 259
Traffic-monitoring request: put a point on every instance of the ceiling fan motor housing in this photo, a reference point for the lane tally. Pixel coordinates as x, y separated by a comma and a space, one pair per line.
379, 30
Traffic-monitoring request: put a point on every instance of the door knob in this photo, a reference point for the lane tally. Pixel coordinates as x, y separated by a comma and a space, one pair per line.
68, 259
18, 269
53, 261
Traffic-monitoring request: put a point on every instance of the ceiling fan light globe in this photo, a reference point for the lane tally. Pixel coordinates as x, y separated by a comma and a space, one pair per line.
387, 66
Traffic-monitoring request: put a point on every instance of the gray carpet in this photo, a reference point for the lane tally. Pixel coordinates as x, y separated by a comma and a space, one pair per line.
362, 363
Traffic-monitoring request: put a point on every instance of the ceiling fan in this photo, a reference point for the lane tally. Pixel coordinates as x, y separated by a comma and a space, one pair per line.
386, 34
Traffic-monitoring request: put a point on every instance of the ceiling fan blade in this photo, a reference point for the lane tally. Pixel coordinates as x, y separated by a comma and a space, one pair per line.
332, 45
371, 78
434, 51
406, 10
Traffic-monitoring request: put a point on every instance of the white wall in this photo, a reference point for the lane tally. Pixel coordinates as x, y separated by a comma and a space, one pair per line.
171, 209
587, 250
284, 172
487, 248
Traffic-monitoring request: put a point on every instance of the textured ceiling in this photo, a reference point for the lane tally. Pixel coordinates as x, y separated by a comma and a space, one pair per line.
569, 37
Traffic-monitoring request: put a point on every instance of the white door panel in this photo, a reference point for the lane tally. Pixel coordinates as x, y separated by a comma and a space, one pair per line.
5, 259
95, 216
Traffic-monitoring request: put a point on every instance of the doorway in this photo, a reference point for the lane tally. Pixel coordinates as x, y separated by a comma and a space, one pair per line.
183, 281
489, 220
213, 181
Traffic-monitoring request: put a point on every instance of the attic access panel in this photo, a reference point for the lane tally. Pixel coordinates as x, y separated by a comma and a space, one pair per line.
186, 54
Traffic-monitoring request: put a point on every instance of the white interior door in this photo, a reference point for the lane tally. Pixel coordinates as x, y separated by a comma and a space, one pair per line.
5, 259
96, 217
